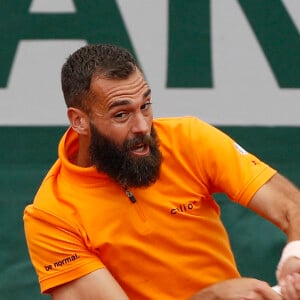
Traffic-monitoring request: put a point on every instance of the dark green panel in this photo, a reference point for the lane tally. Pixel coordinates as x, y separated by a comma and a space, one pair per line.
189, 52
278, 37
26, 153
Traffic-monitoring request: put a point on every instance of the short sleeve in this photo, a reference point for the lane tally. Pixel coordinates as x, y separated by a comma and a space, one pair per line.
228, 167
57, 249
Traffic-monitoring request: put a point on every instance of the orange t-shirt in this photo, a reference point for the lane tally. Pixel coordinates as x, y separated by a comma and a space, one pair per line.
171, 242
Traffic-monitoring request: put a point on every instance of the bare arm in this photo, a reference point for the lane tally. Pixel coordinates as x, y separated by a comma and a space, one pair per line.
98, 285
279, 201
237, 289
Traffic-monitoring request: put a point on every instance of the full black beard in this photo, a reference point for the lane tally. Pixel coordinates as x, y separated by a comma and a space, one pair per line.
117, 162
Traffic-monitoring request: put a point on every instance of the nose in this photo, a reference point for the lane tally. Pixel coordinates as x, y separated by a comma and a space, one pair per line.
140, 124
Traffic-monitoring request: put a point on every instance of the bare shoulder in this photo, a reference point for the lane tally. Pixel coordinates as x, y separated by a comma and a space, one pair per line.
98, 285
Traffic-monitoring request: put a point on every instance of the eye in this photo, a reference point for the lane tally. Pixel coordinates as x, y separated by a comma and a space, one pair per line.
121, 116
146, 106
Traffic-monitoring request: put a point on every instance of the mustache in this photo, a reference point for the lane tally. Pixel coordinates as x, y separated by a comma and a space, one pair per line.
138, 140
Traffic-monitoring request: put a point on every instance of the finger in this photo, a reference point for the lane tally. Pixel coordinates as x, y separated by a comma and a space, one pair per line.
297, 281
268, 293
288, 288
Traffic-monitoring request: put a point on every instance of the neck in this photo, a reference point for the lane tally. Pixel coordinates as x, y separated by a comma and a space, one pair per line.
83, 156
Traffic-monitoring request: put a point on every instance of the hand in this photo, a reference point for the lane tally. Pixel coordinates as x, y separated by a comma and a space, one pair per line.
238, 289
289, 279
290, 287
289, 267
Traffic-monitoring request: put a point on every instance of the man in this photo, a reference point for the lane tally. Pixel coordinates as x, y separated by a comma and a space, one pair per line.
127, 212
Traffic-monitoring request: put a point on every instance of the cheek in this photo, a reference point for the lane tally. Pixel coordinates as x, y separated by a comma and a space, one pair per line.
150, 121
150, 118
117, 133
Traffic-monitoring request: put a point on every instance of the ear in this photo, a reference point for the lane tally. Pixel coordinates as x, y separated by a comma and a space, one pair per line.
79, 120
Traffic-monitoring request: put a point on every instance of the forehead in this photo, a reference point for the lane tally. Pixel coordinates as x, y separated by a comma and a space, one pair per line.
107, 90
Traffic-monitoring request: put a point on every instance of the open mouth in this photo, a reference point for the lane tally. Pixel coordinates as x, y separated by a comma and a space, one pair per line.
140, 150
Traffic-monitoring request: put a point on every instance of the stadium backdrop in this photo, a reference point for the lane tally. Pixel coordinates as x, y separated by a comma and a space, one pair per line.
235, 64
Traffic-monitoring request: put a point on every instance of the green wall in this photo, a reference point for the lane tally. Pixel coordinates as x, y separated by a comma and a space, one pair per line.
26, 153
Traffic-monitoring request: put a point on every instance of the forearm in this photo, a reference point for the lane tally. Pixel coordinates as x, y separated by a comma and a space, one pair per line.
236, 289
293, 219
206, 294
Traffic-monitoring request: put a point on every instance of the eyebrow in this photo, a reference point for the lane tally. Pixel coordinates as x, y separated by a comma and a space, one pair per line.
122, 102
147, 93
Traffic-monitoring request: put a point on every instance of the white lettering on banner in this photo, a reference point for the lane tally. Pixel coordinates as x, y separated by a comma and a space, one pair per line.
245, 91
47, 6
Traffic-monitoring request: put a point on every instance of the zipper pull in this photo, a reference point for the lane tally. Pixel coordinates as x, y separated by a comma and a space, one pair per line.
130, 196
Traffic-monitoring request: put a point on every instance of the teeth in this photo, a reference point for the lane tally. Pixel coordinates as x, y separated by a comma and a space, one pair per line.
139, 149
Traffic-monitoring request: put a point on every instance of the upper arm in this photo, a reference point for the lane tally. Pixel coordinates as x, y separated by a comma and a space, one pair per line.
278, 200
98, 285
58, 249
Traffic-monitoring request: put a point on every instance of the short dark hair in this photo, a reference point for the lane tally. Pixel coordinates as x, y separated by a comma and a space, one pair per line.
109, 61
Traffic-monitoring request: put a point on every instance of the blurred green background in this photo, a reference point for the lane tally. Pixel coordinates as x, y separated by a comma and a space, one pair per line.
26, 154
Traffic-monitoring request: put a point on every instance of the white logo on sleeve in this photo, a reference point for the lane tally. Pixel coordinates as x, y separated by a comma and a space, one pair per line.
240, 149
